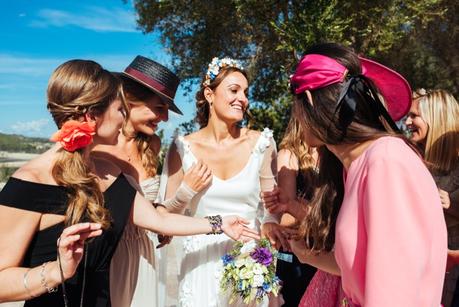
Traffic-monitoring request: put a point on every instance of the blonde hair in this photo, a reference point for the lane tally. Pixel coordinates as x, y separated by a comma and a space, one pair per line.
137, 94
440, 110
293, 141
307, 164
76, 88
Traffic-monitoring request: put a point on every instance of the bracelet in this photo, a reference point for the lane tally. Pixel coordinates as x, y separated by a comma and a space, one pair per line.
43, 279
24, 280
215, 222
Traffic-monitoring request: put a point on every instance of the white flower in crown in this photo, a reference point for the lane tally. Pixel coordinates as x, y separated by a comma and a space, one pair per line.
214, 67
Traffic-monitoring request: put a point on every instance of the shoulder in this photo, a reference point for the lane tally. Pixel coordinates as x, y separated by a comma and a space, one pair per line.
263, 140
392, 155
251, 134
287, 158
390, 148
194, 136
37, 170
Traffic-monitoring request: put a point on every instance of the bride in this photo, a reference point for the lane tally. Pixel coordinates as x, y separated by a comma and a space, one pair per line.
241, 163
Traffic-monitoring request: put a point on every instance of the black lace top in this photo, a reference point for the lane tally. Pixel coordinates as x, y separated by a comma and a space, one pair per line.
45, 198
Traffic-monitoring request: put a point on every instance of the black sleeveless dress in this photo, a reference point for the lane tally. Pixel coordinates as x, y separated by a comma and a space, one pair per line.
45, 198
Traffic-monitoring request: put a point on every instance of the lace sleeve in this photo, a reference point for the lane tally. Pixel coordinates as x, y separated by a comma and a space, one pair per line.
268, 169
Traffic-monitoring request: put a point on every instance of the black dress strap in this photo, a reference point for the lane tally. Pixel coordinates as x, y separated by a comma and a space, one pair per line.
33, 196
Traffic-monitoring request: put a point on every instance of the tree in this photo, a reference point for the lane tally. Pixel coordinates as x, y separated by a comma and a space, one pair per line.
271, 35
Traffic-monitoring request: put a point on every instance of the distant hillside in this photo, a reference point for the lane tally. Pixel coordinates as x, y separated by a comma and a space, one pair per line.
19, 143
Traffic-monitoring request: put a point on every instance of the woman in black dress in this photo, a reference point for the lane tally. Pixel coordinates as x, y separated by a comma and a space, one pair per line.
52, 205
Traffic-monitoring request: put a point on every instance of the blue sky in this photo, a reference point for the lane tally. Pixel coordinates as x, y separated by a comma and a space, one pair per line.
39, 35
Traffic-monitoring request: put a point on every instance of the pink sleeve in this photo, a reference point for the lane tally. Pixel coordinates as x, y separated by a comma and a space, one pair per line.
401, 212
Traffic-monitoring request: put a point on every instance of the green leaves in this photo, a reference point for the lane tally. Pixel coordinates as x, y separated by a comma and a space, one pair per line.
418, 38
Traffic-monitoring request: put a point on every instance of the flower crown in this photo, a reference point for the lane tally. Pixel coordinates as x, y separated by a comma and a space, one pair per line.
214, 68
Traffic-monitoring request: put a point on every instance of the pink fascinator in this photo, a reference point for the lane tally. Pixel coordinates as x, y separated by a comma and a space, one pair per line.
316, 71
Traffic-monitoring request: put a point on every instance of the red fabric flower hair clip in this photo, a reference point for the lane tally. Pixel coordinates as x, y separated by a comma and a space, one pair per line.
74, 135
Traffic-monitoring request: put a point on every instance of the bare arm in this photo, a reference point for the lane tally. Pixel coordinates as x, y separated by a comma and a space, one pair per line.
146, 216
287, 164
323, 261
17, 227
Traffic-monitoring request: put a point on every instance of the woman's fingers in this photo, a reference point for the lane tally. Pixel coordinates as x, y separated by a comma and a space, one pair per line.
66, 241
248, 233
250, 230
90, 234
283, 241
78, 233
76, 228
290, 232
208, 175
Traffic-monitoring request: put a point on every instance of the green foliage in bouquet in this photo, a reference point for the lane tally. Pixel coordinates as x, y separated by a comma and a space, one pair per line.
250, 274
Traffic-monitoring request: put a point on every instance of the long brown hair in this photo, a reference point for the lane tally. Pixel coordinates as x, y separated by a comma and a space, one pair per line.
202, 105
137, 94
323, 122
76, 88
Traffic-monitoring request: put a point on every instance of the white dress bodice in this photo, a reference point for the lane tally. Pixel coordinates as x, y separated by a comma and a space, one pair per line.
238, 195
200, 265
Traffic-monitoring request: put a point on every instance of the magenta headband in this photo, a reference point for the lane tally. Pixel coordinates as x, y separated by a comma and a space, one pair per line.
316, 71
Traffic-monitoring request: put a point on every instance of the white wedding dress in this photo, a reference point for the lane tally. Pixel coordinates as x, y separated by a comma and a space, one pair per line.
199, 256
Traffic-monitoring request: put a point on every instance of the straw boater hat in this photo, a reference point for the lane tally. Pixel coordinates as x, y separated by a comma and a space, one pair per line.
155, 77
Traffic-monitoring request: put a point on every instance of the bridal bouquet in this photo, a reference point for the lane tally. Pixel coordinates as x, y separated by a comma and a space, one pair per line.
249, 272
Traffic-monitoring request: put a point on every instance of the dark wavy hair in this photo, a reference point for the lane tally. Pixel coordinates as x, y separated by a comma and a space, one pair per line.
202, 106
330, 122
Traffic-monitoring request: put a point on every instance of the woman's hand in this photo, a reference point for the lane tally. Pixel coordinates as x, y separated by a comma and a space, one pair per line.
444, 197
71, 245
275, 201
235, 228
198, 176
278, 235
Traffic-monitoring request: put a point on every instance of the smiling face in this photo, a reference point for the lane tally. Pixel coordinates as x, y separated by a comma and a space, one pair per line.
229, 99
416, 124
144, 116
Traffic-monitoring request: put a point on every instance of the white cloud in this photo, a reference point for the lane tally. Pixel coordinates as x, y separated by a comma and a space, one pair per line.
43, 67
93, 18
31, 127
19, 65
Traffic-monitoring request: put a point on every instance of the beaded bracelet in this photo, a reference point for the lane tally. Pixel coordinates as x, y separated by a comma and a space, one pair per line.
215, 222
43, 279
24, 280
